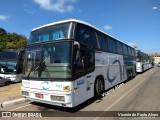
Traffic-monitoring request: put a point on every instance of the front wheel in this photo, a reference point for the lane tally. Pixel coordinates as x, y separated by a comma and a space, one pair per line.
99, 88
7, 83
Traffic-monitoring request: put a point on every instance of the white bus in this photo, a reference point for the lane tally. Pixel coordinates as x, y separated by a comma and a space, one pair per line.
71, 61
11, 64
143, 61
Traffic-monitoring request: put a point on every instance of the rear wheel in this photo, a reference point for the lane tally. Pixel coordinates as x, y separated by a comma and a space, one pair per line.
128, 75
131, 73
99, 88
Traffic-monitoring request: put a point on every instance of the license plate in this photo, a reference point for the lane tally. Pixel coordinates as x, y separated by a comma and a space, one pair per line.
38, 95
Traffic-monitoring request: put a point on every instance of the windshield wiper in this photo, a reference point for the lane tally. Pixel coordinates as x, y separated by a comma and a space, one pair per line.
48, 74
32, 69
42, 68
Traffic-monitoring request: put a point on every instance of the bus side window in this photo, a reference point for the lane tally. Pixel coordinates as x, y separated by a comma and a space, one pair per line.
85, 63
111, 45
79, 62
89, 60
58, 35
86, 35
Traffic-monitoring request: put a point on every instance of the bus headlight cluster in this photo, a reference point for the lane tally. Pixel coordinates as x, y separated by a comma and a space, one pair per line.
57, 98
25, 93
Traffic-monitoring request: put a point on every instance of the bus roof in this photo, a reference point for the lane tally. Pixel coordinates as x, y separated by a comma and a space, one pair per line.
141, 52
13, 50
77, 21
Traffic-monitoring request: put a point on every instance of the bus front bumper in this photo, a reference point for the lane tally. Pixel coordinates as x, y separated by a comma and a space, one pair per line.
58, 98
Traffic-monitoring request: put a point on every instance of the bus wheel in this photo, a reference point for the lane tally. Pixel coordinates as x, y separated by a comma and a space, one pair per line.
142, 69
99, 88
131, 73
128, 75
7, 83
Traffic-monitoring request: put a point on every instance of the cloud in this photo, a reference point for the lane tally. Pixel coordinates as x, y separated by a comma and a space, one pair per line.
107, 27
56, 5
134, 45
4, 17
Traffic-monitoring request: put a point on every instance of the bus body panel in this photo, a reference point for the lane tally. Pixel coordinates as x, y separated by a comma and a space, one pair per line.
111, 67
108, 65
12, 77
47, 97
48, 92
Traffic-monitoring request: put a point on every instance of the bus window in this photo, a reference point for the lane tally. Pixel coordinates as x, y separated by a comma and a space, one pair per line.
111, 45
125, 50
102, 41
79, 62
86, 36
54, 32
89, 60
133, 52
85, 62
119, 47
129, 51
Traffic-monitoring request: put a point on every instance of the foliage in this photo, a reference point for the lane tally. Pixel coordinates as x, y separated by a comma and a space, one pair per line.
11, 40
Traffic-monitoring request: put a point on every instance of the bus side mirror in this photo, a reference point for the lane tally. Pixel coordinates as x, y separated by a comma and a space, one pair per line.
137, 60
77, 50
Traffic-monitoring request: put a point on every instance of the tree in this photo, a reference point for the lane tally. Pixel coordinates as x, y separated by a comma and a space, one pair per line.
2, 31
11, 40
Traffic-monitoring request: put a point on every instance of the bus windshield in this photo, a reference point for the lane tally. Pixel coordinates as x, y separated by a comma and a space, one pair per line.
6, 55
8, 62
52, 60
8, 68
52, 33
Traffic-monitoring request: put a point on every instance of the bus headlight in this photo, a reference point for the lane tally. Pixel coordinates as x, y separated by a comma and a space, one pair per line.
57, 98
66, 87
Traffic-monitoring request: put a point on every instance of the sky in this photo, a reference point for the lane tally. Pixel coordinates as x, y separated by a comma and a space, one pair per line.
132, 21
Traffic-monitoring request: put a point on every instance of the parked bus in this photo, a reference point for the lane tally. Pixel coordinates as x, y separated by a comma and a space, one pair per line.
11, 64
143, 61
71, 61
151, 62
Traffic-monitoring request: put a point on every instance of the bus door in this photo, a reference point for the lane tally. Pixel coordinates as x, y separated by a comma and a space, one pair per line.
84, 66
89, 68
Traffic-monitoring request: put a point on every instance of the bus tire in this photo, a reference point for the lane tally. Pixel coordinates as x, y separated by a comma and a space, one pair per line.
128, 75
131, 73
99, 88
142, 69
7, 83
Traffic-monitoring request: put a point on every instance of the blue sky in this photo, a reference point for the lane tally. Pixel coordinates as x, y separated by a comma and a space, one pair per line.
131, 21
